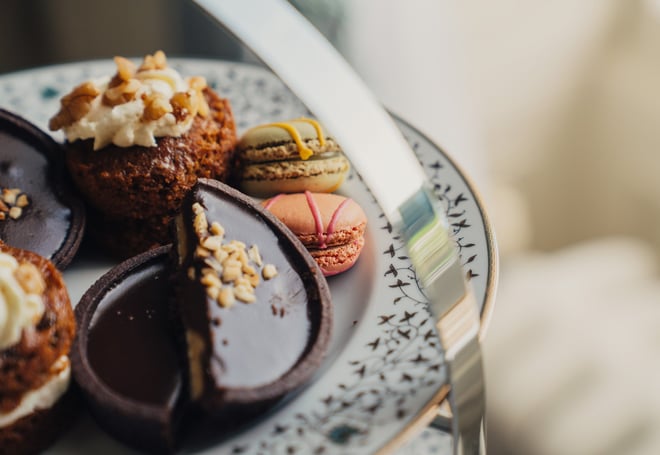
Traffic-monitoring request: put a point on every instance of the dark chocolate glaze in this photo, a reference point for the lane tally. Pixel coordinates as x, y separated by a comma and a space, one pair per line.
264, 349
131, 340
128, 369
52, 224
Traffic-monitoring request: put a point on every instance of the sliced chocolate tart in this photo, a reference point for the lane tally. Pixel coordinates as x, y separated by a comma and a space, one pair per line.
39, 210
254, 305
124, 357
160, 357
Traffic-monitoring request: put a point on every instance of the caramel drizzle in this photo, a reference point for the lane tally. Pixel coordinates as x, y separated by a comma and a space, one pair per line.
304, 151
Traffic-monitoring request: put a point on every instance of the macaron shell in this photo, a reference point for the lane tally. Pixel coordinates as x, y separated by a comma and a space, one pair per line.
294, 211
286, 150
267, 134
338, 259
268, 179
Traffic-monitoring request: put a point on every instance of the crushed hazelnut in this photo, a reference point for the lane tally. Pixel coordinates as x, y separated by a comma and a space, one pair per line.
12, 203
269, 271
254, 255
232, 270
15, 213
22, 201
226, 297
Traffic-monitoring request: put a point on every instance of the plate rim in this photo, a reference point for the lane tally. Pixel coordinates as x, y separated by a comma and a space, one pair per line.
423, 416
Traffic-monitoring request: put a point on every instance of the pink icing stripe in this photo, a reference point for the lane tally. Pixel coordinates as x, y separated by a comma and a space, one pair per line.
318, 221
335, 217
316, 214
272, 201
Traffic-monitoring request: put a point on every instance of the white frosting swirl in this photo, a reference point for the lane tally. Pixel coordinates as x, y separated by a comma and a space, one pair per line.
123, 124
18, 309
45, 396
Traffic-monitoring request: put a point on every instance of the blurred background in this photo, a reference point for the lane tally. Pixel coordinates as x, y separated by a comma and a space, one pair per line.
553, 110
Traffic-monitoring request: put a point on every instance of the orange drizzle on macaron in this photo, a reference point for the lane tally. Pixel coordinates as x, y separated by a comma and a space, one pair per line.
304, 151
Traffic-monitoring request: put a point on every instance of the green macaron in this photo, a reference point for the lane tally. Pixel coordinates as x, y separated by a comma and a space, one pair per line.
290, 157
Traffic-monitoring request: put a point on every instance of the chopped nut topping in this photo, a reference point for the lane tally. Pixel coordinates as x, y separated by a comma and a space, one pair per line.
158, 61
122, 93
185, 100
30, 279
74, 106
269, 271
15, 213
217, 229
22, 201
254, 255
155, 107
12, 203
226, 298
125, 68
233, 270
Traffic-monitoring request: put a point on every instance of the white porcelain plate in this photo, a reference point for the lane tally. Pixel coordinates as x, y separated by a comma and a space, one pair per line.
384, 364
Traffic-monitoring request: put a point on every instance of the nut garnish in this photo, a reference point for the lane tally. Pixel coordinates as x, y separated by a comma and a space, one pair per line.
158, 61
132, 83
30, 279
269, 271
233, 269
155, 106
121, 93
12, 203
74, 106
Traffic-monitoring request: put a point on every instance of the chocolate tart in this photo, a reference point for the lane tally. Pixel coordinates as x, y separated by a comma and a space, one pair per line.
124, 357
53, 222
247, 355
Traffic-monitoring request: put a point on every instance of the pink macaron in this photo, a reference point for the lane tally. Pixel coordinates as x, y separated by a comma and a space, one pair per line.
330, 226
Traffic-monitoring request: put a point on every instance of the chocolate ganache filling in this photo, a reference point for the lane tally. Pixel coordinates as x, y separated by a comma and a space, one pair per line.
51, 220
271, 333
131, 344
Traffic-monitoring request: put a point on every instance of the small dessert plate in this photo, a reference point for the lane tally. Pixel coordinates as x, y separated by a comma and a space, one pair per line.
384, 368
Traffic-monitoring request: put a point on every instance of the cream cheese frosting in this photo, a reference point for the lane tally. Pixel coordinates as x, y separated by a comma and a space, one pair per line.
19, 308
133, 107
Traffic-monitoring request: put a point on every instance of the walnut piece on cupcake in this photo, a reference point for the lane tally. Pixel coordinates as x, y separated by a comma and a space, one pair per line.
137, 141
37, 328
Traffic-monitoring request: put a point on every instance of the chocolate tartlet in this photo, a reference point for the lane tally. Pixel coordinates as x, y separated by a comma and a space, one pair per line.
39, 210
137, 142
124, 357
254, 305
36, 404
138, 323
